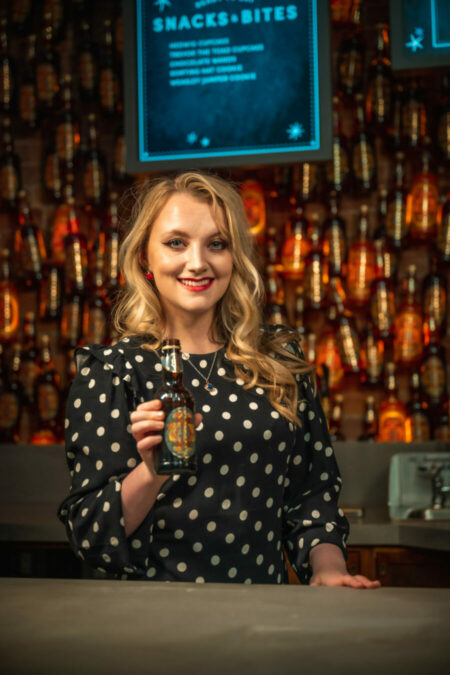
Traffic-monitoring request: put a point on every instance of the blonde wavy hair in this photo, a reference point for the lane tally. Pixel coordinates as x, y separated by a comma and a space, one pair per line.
258, 353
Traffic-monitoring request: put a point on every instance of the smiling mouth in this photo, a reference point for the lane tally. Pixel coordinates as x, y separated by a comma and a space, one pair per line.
196, 284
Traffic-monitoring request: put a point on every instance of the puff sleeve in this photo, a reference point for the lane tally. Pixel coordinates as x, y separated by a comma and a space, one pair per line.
311, 515
100, 452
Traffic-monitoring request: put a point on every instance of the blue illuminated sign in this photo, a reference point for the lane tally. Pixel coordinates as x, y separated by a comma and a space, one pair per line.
221, 82
420, 31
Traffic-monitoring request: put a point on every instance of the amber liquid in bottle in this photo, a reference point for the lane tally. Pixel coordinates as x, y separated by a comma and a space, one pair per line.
96, 307
382, 297
8, 83
346, 335
417, 422
316, 271
29, 246
48, 398
372, 358
361, 263
10, 168
350, 64
435, 296
424, 200
433, 367
398, 206
75, 245
328, 351
94, 167
392, 412
9, 301
296, 245
11, 399
108, 78
67, 128
47, 68
337, 172
414, 117
335, 240
87, 64
29, 366
364, 163
408, 340
176, 453
379, 88
370, 426
335, 423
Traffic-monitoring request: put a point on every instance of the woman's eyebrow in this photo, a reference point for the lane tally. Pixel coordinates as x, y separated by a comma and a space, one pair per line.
182, 233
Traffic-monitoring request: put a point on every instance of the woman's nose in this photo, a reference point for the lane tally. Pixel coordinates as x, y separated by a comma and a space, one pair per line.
196, 258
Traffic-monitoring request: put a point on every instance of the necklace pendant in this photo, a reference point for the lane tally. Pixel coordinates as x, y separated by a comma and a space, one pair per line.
210, 387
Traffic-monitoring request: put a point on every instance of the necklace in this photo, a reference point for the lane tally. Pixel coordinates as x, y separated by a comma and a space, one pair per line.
208, 386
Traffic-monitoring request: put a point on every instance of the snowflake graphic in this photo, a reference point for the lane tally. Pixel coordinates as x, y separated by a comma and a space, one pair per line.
162, 4
295, 131
205, 142
192, 137
415, 40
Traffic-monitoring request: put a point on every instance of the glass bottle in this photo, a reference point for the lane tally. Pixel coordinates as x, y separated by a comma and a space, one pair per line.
47, 68
308, 181
414, 117
274, 286
58, 11
109, 87
335, 240
111, 269
382, 296
94, 171
75, 246
398, 206
346, 335
370, 426
392, 412
433, 367
176, 453
10, 168
361, 263
417, 422
28, 98
382, 208
435, 296
51, 292
443, 232
87, 64
29, 246
71, 319
296, 244
8, 73
119, 165
337, 172
10, 398
29, 366
441, 423
21, 14
52, 176
252, 195
60, 224
424, 199
350, 61
309, 348
48, 398
276, 315
328, 351
335, 423
372, 358
394, 133
408, 340
67, 128
316, 270
379, 87
364, 163
299, 312
9, 300
96, 307
443, 121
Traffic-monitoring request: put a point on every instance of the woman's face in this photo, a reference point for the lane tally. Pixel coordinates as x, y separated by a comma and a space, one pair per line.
189, 257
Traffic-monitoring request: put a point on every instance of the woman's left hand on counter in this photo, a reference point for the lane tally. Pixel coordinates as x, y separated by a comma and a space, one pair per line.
330, 569
338, 579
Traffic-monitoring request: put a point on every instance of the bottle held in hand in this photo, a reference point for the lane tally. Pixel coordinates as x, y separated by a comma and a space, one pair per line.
176, 453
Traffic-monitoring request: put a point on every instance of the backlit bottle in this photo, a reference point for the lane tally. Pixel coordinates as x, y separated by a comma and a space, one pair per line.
109, 85
8, 73
48, 398
29, 246
252, 195
382, 296
370, 426
9, 300
71, 319
10, 168
27, 96
364, 162
94, 169
87, 64
361, 263
443, 232
316, 271
414, 117
29, 366
418, 421
379, 87
96, 306
111, 271
398, 206
335, 240
296, 245
443, 120
328, 351
350, 62
372, 358
51, 292
335, 422
394, 135
424, 198
346, 335
11, 400
67, 127
75, 246
337, 172
392, 412
435, 297
47, 68
408, 340
176, 453
433, 367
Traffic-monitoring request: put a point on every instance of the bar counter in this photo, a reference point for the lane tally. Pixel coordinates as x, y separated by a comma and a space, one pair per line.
71, 626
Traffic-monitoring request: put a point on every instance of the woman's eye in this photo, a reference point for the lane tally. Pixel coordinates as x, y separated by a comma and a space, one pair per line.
174, 243
218, 245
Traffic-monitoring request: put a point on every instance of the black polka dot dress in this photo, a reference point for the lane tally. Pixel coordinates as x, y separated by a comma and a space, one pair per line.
264, 486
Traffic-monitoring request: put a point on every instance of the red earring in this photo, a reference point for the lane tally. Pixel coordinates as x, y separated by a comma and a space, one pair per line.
149, 276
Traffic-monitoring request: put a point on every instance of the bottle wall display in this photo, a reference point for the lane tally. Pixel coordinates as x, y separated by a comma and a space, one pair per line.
354, 252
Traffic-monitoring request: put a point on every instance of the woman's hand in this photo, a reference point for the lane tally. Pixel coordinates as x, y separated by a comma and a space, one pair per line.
147, 424
338, 579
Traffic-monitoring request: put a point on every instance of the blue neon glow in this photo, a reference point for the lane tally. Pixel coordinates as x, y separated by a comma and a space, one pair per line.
435, 23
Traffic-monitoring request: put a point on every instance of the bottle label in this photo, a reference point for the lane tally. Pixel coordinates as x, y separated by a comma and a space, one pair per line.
70, 322
382, 308
350, 69
179, 434
48, 401
93, 180
391, 427
66, 135
9, 410
51, 294
52, 175
95, 326
414, 122
109, 88
314, 286
9, 183
76, 263
443, 238
27, 104
111, 266
408, 338
432, 377
361, 273
171, 361
396, 226
28, 374
364, 162
435, 303
348, 346
379, 99
334, 248
30, 255
87, 72
47, 83
337, 170
417, 428
425, 204
9, 314
328, 354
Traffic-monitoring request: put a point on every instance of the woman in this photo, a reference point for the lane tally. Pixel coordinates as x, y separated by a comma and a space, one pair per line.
267, 480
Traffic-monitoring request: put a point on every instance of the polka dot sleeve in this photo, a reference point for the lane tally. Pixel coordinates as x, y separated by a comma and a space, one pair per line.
311, 514
100, 452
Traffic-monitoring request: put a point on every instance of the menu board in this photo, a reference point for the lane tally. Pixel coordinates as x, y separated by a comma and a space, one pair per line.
420, 32
222, 82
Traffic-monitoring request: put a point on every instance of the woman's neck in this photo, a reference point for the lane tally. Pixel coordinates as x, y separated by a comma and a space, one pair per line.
195, 334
